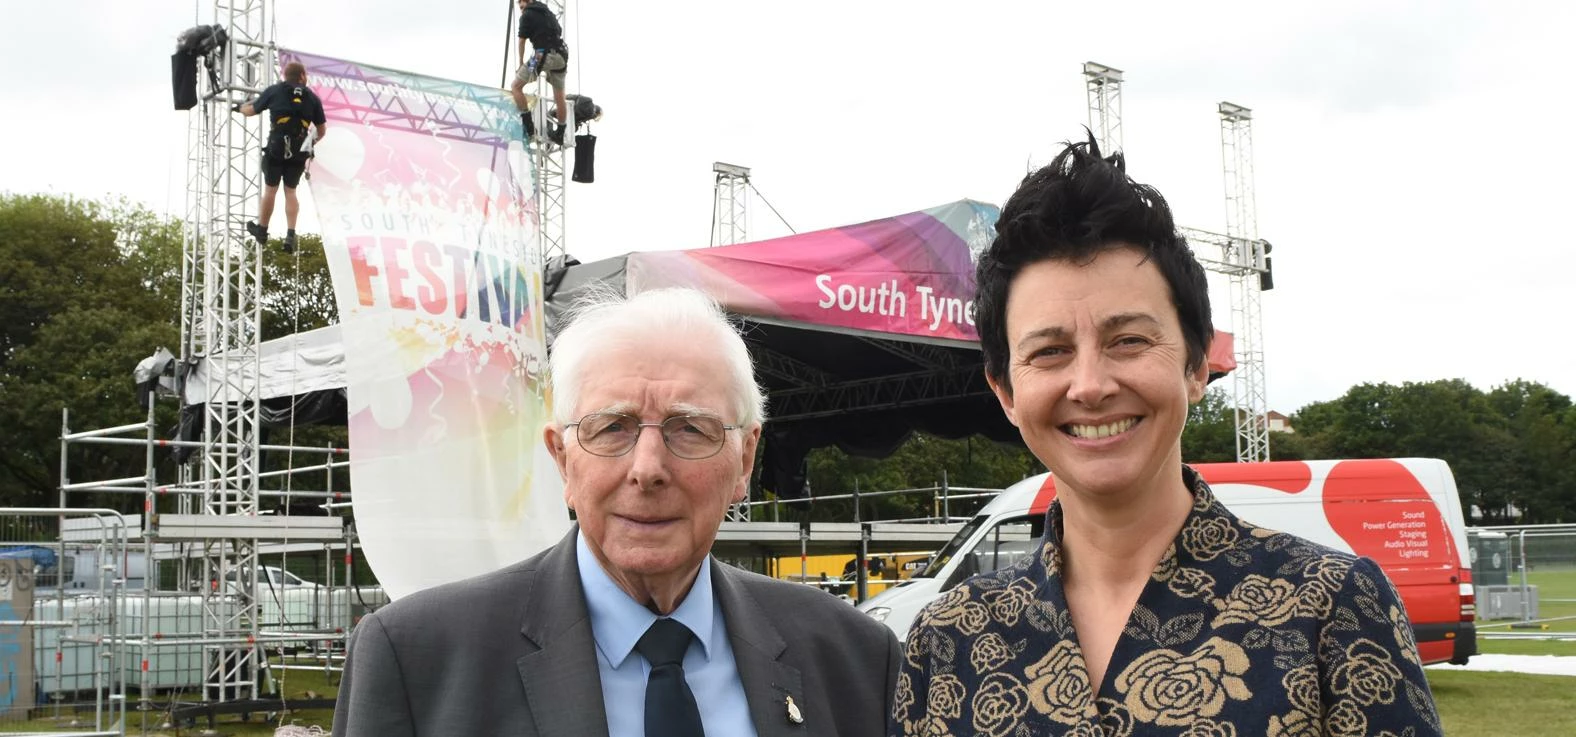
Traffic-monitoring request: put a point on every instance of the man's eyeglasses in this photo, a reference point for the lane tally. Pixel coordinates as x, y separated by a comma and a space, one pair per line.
609, 434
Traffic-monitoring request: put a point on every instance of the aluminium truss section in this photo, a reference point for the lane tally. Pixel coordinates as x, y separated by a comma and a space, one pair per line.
730, 214
1103, 86
885, 392
550, 159
221, 294
552, 195
928, 356
1248, 381
729, 226
435, 110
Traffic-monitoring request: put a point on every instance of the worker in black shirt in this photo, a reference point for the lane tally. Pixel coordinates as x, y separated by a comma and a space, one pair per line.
549, 56
293, 110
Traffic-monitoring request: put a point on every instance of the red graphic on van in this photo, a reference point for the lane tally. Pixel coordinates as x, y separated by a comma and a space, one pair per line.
1291, 477
1382, 510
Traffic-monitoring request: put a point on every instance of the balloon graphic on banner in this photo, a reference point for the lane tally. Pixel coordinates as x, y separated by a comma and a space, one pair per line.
341, 155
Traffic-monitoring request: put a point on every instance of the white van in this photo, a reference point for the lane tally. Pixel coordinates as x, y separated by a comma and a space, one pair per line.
83, 570
1405, 514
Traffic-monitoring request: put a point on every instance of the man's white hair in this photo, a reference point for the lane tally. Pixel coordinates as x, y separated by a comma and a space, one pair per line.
604, 318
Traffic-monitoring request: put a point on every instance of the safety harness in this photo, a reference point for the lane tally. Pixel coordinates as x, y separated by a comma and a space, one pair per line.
552, 34
288, 137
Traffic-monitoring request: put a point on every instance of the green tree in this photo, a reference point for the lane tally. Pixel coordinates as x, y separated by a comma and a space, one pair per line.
1537, 469
923, 461
1210, 435
298, 293
1359, 424
90, 290
298, 296
1447, 419
1288, 446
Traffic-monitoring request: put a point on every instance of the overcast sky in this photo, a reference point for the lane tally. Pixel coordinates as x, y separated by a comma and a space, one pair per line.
1412, 158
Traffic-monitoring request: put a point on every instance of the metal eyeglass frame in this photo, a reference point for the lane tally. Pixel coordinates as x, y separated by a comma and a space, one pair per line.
641, 426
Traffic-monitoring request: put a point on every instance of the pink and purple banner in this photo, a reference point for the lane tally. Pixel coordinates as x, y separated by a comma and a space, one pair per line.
425, 196
910, 275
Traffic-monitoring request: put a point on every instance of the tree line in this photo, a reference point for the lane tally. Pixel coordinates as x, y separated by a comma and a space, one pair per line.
88, 289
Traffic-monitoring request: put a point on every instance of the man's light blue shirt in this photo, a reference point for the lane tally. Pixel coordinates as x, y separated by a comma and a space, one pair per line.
617, 623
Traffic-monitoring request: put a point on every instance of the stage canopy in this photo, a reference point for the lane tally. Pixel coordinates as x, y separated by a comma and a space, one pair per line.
860, 334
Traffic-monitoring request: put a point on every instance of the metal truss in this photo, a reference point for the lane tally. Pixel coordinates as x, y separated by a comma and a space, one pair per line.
788, 369
1235, 255
1104, 89
929, 356
552, 171
730, 214
435, 114
1241, 253
552, 200
221, 296
1248, 381
885, 392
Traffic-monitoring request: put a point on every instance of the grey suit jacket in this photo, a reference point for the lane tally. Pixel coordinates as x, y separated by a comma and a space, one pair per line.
511, 653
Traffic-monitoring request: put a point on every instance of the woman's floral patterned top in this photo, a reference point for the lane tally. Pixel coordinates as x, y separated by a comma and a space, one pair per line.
1240, 631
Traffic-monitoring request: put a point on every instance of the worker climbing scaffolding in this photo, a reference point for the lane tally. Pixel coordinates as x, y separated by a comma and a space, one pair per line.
293, 110
541, 32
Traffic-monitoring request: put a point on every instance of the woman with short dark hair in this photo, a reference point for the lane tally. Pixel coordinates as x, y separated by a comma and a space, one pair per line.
1150, 609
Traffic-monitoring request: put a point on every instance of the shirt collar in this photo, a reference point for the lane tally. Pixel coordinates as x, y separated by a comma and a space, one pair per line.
618, 621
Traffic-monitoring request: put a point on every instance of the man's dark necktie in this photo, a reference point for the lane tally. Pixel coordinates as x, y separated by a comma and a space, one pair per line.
670, 706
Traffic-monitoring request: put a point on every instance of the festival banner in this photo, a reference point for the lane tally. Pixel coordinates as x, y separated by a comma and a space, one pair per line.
424, 192
909, 275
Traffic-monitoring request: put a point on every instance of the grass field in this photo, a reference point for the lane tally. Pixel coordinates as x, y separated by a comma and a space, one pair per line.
1492, 704
1528, 647
1470, 704
1504, 704
295, 684
1556, 599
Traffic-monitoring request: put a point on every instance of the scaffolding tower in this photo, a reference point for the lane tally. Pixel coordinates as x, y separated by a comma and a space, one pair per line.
1103, 86
1242, 256
221, 299
1252, 404
729, 206
217, 511
730, 225
550, 161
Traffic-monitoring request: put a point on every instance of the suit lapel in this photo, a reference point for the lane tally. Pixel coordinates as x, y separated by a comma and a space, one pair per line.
562, 683
769, 681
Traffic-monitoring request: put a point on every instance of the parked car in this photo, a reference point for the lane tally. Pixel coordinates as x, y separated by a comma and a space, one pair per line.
273, 579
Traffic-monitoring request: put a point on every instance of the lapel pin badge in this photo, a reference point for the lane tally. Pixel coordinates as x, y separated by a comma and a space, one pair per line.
793, 712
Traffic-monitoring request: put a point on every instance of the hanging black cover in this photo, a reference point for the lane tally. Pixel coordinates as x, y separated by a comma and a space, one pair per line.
585, 158
183, 78
201, 40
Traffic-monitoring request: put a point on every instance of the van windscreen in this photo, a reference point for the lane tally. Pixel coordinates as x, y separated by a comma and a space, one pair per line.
939, 560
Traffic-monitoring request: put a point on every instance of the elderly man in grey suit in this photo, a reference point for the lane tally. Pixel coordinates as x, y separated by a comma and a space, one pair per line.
628, 627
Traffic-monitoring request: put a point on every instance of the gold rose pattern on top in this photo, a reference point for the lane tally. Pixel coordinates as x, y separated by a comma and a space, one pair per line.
1240, 631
